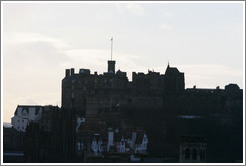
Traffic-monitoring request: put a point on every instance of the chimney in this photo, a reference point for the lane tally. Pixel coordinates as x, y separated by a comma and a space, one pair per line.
72, 71
67, 72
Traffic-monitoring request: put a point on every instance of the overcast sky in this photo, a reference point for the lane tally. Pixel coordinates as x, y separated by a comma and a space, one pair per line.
41, 40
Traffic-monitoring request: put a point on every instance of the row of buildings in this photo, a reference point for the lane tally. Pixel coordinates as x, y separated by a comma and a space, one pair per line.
153, 118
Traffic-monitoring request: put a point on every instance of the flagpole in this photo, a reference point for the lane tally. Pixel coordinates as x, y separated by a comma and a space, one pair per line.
111, 48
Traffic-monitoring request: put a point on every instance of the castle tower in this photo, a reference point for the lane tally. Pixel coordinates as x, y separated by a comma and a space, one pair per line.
174, 80
111, 63
111, 66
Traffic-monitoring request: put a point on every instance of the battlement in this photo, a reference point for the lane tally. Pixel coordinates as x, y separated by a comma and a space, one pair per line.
173, 80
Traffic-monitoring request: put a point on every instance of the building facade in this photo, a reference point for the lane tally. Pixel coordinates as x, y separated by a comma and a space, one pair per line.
88, 94
25, 114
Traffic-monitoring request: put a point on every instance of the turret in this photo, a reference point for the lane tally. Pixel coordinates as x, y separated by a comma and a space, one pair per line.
72, 71
67, 72
111, 66
174, 80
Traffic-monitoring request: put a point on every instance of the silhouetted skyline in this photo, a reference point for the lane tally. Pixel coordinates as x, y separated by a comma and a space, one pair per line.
40, 40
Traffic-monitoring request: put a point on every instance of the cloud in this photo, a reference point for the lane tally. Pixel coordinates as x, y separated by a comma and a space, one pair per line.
135, 9
120, 8
166, 27
167, 14
36, 54
40, 53
132, 8
21, 50
16, 38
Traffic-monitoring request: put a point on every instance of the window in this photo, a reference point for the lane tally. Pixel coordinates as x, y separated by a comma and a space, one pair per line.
187, 154
202, 154
194, 154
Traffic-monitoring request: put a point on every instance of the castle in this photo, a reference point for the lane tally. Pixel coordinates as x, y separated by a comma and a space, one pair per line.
153, 118
88, 94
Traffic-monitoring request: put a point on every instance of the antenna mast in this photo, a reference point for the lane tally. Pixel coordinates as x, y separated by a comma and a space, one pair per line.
111, 47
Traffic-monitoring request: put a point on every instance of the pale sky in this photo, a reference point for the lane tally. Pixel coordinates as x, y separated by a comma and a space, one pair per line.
41, 40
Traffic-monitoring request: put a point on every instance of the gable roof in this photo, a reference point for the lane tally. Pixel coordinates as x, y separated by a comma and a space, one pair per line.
171, 71
26, 107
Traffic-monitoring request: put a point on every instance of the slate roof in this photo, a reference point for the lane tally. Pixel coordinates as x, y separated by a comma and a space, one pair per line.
26, 107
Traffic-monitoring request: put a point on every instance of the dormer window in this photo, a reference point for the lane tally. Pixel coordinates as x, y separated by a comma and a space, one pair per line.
24, 113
